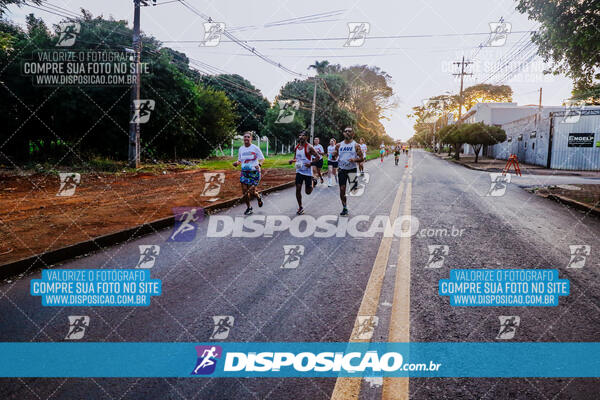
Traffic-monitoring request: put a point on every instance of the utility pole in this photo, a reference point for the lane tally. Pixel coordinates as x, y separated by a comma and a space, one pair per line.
462, 75
540, 99
134, 124
312, 118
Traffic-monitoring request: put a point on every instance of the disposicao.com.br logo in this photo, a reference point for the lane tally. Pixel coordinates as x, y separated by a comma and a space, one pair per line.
369, 362
307, 225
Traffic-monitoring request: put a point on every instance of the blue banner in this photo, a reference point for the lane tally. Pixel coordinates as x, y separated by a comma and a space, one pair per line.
95, 287
504, 287
305, 359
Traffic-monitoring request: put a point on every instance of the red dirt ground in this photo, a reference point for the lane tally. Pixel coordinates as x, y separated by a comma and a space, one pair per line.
33, 219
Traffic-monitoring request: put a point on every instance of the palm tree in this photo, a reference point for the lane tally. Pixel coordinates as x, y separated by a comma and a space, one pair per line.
320, 66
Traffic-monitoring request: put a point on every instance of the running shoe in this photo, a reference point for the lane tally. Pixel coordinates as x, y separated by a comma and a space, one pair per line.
300, 211
260, 201
344, 212
248, 211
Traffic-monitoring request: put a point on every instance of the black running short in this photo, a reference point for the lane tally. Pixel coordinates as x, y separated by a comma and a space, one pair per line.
303, 178
343, 175
318, 163
333, 164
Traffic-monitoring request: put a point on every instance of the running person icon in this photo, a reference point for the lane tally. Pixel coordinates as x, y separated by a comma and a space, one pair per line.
78, 326
250, 157
348, 154
207, 359
304, 152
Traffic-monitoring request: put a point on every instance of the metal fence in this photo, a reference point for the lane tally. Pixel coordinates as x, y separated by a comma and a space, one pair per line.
570, 137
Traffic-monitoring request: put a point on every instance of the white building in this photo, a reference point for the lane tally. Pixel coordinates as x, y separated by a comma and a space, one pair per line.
496, 114
554, 137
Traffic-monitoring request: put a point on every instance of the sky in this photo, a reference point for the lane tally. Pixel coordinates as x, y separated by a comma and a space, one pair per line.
436, 34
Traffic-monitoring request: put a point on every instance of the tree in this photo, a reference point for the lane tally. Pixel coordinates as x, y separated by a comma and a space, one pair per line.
250, 105
479, 135
568, 36
5, 3
74, 123
331, 115
370, 97
587, 93
483, 93
320, 66
281, 133
448, 135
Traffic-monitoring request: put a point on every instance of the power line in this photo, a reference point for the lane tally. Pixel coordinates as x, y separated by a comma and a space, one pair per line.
525, 48
242, 44
433, 35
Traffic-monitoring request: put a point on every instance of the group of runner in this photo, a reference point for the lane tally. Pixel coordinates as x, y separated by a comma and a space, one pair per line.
345, 162
384, 151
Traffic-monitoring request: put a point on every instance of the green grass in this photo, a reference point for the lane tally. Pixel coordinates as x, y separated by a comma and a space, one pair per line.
272, 161
236, 145
104, 165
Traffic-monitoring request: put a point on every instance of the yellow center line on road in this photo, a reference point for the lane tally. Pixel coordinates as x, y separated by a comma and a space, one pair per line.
397, 388
347, 388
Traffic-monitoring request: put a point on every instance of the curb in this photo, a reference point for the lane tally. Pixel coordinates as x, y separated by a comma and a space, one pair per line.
78, 249
525, 172
575, 204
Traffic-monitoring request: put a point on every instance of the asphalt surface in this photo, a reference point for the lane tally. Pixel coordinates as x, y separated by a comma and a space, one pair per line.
319, 299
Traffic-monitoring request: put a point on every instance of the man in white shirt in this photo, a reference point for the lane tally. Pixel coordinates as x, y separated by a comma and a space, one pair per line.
349, 154
303, 153
250, 157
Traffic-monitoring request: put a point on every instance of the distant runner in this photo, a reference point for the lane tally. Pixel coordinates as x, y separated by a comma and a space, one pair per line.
250, 157
332, 164
396, 154
304, 152
317, 162
348, 154
363, 147
382, 151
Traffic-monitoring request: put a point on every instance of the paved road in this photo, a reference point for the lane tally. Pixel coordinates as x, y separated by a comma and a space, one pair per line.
338, 279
